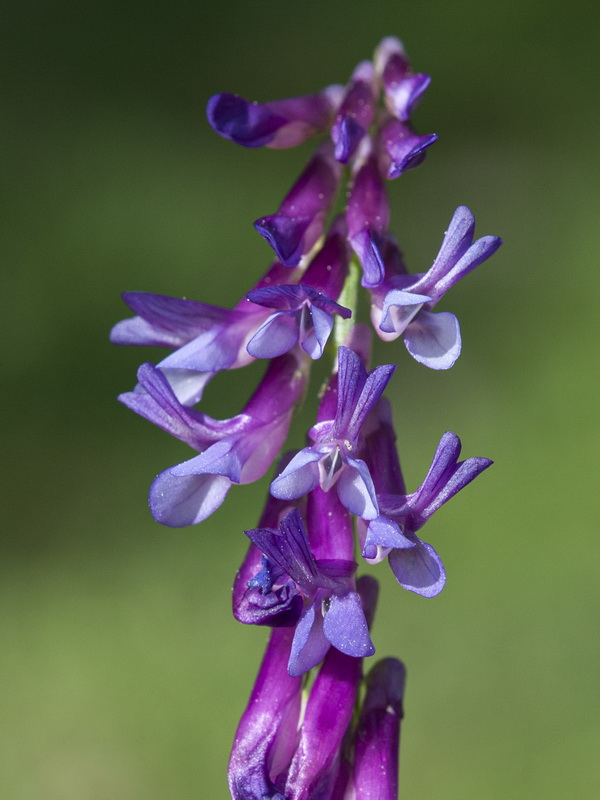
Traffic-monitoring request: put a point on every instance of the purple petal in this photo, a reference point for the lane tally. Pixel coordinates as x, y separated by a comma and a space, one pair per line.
386, 534
289, 548
377, 738
188, 386
403, 147
419, 569
179, 501
434, 339
346, 627
299, 477
286, 235
465, 472
310, 643
268, 725
315, 339
165, 321
478, 252
155, 400
357, 393
399, 308
356, 112
356, 490
284, 297
275, 337
365, 244
346, 134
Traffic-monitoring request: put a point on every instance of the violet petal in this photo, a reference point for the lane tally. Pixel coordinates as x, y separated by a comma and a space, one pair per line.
346, 627
434, 339
310, 643
299, 477
419, 569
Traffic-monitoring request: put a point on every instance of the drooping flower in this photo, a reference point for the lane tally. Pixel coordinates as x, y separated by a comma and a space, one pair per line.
277, 124
332, 458
241, 451
402, 303
333, 613
300, 221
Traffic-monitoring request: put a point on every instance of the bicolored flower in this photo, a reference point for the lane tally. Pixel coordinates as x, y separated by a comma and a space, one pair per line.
300, 221
241, 453
333, 614
356, 112
402, 88
205, 338
331, 459
368, 217
415, 563
402, 303
277, 124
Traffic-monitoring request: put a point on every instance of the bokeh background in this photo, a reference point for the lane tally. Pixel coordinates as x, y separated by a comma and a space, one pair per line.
122, 672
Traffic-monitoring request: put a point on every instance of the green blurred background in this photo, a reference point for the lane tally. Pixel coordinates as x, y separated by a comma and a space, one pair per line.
122, 671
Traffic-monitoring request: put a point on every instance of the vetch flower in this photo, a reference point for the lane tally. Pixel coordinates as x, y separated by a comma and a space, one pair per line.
402, 88
277, 124
415, 563
332, 460
300, 221
402, 303
304, 311
205, 338
356, 112
189, 492
333, 614
401, 148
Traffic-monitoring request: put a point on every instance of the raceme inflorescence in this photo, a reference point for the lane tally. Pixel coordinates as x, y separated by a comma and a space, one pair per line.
336, 736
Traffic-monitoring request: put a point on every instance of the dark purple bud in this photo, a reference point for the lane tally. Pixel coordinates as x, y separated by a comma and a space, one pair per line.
277, 124
300, 221
356, 112
377, 738
402, 148
402, 88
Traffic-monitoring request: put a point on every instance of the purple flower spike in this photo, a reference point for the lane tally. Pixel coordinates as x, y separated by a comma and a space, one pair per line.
300, 221
189, 492
356, 112
278, 124
368, 216
377, 738
402, 88
403, 148
332, 458
305, 317
267, 733
402, 303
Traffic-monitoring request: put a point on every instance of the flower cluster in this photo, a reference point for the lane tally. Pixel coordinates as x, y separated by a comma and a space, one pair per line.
346, 485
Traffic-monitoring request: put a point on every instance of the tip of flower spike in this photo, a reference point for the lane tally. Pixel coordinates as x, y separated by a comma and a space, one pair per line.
247, 124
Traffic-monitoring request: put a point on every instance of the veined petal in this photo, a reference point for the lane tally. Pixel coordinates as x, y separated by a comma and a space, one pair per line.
299, 477
346, 627
310, 643
419, 569
383, 533
434, 339
286, 235
356, 490
179, 501
275, 337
